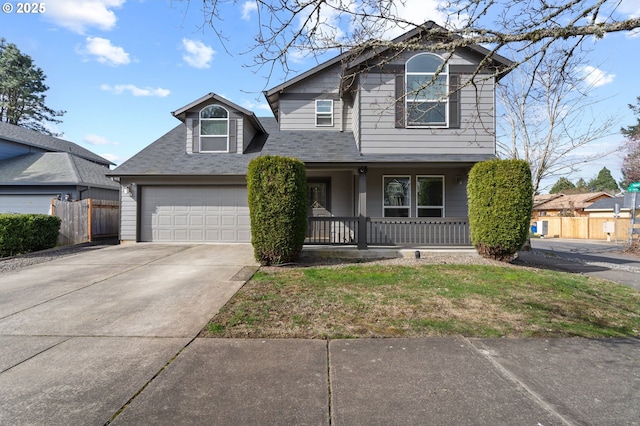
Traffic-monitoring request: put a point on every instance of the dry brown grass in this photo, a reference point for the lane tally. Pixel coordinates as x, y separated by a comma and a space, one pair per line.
426, 300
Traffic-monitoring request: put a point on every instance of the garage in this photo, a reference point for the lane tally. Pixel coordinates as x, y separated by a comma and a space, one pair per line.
195, 214
26, 203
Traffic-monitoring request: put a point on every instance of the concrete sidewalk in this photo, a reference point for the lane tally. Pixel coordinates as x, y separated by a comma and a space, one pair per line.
438, 381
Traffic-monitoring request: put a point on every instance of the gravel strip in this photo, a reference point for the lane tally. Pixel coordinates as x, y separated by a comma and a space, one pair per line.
15, 263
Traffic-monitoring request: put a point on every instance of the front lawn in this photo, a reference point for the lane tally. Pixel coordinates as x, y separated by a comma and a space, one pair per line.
426, 300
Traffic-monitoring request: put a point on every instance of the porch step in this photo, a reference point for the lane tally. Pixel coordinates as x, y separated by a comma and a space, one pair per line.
383, 252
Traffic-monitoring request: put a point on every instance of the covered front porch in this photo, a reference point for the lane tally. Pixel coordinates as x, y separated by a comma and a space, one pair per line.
411, 204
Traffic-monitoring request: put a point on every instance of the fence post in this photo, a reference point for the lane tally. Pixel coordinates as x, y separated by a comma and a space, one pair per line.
89, 219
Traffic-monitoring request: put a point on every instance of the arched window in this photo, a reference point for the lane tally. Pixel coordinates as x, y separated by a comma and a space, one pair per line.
214, 129
427, 89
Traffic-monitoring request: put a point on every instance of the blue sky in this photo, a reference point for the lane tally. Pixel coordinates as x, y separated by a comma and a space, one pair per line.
119, 67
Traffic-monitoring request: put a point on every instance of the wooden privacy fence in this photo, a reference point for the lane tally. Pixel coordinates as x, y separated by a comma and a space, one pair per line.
591, 228
86, 220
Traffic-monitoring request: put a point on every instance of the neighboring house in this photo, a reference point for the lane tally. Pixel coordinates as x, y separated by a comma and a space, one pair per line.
34, 168
375, 142
606, 208
570, 205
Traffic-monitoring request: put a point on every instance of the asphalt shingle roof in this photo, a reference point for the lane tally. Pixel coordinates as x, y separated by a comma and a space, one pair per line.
21, 135
54, 168
167, 155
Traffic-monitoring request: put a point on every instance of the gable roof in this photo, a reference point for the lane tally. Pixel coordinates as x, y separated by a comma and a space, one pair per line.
181, 113
272, 94
575, 201
28, 137
54, 168
167, 156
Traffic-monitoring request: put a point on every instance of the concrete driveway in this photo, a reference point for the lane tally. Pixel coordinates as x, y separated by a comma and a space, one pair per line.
79, 336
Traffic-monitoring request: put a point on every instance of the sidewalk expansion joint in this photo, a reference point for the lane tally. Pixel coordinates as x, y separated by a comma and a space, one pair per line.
128, 403
329, 414
485, 352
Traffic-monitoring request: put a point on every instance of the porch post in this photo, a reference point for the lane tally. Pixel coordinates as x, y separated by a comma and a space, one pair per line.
362, 208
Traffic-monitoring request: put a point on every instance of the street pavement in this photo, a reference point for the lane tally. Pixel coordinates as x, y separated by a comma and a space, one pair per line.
109, 337
599, 259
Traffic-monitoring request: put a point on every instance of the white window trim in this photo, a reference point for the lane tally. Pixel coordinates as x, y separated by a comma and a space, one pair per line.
442, 177
200, 135
384, 208
324, 114
444, 101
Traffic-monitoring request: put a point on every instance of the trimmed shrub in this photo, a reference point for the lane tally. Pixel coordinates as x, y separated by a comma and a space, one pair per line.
23, 233
500, 196
277, 188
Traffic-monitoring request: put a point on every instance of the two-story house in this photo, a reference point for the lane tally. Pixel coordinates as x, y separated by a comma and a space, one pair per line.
387, 137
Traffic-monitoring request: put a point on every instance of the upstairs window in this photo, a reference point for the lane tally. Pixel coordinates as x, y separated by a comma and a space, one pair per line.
214, 129
324, 112
427, 89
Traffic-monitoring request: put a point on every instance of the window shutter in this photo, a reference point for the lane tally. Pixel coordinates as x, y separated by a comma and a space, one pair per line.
195, 146
400, 96
233, 144
454, 101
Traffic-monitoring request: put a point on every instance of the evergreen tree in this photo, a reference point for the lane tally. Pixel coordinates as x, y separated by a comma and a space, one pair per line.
581, 185
563, 184
604, 182
22, 88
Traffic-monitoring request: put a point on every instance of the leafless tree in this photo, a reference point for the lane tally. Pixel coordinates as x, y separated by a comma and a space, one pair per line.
287, 29
547, 118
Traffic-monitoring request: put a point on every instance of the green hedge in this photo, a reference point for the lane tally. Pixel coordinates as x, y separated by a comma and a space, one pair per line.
23, 233
500, 196
277, 188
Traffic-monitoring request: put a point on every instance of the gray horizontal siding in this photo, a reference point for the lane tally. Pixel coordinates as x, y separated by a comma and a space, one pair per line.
129, 216
299, 114
378, 134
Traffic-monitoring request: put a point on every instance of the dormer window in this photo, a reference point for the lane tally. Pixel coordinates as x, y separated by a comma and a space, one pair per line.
427, 89
214, 129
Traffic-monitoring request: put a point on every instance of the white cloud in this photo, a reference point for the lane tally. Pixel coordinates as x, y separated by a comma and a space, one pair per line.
119, 89
198, 55
248, 7
253, 106
595, 77
105, 52
78, 15
112, 157
96, 140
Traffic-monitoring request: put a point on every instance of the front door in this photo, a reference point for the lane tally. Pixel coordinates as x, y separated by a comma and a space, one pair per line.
318, 197
318, 205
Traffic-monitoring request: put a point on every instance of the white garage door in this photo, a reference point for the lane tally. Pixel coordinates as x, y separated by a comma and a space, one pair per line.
195, 214
26, 203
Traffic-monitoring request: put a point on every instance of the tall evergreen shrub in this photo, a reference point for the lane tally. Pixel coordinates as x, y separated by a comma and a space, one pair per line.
23, 233
500, 196
277, 188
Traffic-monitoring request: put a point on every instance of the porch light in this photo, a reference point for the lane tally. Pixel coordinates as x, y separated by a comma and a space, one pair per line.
126, 190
